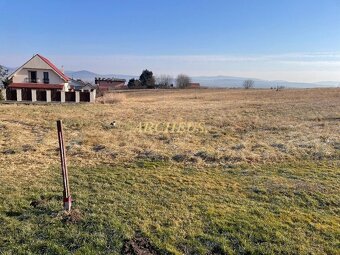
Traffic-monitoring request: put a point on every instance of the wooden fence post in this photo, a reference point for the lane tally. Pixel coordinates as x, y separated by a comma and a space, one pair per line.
66, 193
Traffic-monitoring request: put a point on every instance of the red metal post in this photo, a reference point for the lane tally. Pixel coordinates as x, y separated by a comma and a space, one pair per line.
66, 193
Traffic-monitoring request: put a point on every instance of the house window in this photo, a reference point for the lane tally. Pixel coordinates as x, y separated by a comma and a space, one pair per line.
46, 78
33, 76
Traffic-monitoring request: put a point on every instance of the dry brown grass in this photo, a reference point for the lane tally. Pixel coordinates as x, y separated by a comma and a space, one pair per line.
258, 126
111, 98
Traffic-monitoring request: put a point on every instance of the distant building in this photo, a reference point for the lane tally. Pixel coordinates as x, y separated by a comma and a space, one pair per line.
193, 85
79, 85
106, 84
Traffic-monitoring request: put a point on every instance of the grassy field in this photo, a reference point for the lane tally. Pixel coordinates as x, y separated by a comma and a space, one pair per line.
261, 174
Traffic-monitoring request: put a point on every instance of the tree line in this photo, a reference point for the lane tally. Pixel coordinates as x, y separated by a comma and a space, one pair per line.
147, 80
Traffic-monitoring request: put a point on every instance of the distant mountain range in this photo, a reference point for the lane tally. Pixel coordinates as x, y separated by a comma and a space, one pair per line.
89, 76
213, 81
208, 81
228, 81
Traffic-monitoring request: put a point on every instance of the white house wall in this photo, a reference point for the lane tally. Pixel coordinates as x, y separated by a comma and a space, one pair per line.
22, 75
40, 66
37, 63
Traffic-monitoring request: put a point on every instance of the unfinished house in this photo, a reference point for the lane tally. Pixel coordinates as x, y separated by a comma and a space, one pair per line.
40, 80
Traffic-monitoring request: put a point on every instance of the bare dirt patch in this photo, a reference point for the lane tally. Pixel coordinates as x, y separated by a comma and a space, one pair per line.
139, 245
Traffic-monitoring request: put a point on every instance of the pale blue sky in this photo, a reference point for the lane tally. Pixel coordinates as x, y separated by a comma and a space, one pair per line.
295, 40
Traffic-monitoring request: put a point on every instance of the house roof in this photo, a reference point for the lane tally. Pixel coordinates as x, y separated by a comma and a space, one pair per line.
54, 68
61, 74
194, 84
35, 86
80, 83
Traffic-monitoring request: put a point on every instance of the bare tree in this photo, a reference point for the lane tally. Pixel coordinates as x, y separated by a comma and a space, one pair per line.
3, 76
3, 72
248, 84
183, 81
164, 81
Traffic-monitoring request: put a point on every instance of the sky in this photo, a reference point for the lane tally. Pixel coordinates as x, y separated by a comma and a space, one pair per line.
293, 40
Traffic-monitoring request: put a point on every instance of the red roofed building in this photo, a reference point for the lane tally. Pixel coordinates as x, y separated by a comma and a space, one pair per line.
193, 85
38, 73
107, 84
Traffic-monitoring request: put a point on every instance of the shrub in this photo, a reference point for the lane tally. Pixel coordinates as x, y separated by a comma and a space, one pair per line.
1, 96
100, 92
111, 98
248, 84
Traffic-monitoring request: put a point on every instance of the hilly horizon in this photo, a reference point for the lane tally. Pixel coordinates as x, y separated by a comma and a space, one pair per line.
218, 81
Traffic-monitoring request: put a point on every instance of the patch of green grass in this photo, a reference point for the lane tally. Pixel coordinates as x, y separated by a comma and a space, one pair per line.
274, 209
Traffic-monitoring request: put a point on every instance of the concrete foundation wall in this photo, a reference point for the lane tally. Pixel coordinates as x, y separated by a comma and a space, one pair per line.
34, 96
48, 96
3, 93
77, 96
93, 96
19, 95
62, 97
